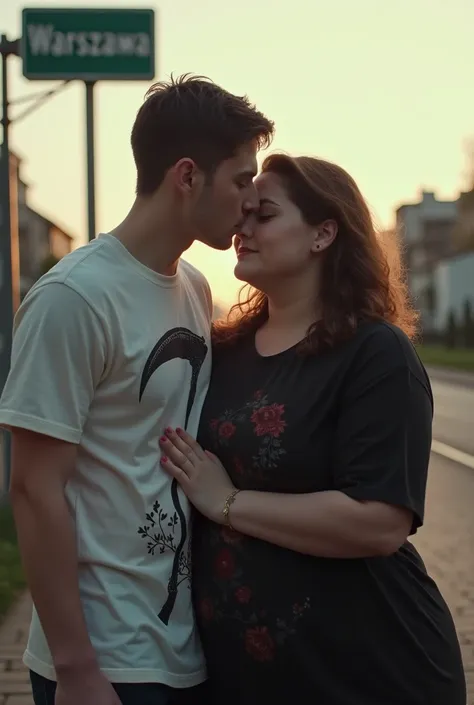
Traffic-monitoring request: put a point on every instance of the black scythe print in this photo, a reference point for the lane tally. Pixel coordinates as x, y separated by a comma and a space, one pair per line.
177, 343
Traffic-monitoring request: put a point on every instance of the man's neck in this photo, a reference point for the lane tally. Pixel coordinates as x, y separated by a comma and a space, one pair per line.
152, 237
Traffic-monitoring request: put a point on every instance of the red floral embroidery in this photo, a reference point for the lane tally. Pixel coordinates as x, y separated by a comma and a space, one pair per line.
225, 564
206, 609
238, 466
243, 595
259, 644
235, 596
226, 429
268, 421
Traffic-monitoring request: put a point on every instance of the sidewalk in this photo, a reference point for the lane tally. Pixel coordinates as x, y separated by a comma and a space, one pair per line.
2, 469
446, 374
14, 679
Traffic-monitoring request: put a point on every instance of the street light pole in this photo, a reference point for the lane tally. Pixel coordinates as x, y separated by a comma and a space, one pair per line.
7, 48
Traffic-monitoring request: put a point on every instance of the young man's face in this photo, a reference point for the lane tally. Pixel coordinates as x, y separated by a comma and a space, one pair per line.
227, 200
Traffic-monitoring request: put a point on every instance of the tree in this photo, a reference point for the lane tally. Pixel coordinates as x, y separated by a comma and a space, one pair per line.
451, 333
468, 324
430, 298
463, 232
469, 171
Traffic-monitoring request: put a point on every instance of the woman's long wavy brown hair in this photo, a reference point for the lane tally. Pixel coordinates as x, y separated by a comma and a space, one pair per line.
362, 277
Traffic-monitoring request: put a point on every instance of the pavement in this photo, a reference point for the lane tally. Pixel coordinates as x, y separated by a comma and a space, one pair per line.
446, 544
2, 469
454, 414
14, 681
446, 541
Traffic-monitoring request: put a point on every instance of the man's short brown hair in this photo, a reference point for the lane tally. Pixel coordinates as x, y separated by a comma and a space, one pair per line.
192, 117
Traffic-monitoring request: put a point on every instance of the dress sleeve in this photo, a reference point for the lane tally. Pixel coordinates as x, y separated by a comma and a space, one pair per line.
384, 429
58, 359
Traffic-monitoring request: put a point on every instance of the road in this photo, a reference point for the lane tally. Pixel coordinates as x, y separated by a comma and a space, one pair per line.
446, 541
454, 410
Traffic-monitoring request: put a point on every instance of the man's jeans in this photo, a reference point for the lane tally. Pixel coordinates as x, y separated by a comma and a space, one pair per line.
129, 693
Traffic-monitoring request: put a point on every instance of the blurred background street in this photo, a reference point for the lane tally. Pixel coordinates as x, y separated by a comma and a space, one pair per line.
454, 413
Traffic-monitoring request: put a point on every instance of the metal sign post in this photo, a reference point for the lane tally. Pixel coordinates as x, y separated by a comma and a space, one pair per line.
7, 48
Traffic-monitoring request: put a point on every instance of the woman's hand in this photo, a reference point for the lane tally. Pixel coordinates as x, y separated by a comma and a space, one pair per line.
201, 475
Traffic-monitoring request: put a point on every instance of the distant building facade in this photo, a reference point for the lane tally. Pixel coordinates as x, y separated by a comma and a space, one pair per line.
464, 230
438, 238
39, 238
452, 289
426, 230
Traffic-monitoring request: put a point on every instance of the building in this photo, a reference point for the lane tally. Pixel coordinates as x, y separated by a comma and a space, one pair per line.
464, 230
438, 238
452, 288
426, 230
39, 239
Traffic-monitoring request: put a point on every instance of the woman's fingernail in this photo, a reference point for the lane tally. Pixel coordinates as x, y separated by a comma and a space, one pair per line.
168, 431
179, 431
164, 459
163, 439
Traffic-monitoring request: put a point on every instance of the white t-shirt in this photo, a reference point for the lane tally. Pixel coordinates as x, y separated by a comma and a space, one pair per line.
106, 355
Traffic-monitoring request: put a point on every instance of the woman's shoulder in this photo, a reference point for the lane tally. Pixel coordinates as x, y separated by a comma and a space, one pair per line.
382, 335
383, 347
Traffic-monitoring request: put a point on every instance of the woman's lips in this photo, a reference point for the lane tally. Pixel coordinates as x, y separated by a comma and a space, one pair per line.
242, 251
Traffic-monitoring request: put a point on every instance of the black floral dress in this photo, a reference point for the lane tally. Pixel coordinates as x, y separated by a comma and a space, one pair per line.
277, 625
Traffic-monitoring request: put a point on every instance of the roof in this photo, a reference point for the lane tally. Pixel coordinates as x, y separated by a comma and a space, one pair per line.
50, 223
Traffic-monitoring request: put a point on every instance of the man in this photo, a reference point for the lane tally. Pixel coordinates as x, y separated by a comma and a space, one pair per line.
110, 348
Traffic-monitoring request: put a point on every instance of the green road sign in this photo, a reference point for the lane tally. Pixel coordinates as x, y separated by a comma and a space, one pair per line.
88, 44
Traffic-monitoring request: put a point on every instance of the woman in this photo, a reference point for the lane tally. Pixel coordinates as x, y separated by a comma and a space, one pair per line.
319, 420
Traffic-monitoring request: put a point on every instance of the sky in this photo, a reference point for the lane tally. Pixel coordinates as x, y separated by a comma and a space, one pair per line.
382, 88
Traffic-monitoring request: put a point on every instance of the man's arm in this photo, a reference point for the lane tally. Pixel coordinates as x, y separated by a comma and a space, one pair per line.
41, 468
58, 359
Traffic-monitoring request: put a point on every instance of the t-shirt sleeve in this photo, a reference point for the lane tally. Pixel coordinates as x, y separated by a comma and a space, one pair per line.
58, 359
383, 438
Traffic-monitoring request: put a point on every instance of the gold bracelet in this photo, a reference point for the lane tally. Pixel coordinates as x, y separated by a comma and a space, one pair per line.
230, 500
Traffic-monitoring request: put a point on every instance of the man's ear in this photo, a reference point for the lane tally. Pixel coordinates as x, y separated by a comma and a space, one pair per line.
186, 176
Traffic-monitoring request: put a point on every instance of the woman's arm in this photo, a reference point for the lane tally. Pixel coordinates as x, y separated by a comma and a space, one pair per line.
380, 462
327, 524
381, 458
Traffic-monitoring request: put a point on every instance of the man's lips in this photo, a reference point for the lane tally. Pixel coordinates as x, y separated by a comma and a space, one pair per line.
244, 250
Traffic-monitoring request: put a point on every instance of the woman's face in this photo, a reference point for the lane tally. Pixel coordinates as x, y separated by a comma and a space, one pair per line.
276, 245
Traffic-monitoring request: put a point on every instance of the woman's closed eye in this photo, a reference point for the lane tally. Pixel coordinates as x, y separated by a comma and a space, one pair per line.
264, 217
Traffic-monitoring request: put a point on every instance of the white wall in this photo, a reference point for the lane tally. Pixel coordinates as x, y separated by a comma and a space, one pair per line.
453, 282
411, 220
